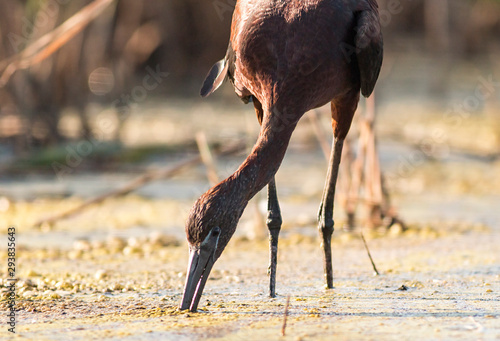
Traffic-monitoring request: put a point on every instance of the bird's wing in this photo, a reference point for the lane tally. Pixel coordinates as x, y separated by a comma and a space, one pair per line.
219, 72
369, 48
222, 70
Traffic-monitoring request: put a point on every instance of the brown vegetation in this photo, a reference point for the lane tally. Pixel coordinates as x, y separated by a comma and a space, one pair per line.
104, 63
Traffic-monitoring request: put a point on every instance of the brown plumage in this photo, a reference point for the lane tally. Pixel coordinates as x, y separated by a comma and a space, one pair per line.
287, 56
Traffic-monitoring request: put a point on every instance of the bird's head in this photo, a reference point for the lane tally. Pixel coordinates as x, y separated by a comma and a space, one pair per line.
209, 227
202, 256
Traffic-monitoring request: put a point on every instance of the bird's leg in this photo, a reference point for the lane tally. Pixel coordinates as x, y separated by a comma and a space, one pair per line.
273, 223
325, 215
273, 220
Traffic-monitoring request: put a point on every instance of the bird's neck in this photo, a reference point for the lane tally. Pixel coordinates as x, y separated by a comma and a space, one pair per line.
263, 162
224, 204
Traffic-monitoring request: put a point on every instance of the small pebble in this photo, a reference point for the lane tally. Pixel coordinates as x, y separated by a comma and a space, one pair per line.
134, 242
116, 287
396, 230
32, 273
129, 250
51, 294
115, 243
29, 294
101, 274
101, 298
82, 245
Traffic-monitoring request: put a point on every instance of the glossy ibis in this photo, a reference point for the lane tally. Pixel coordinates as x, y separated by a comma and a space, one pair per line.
287, 57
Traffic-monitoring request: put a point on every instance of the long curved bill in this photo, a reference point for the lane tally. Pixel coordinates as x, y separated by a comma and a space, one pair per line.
200, 265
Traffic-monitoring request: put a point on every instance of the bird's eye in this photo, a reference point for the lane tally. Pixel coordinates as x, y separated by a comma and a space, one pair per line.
215, 231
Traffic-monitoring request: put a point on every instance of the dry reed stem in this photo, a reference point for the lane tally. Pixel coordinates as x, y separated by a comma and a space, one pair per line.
207, 158
49, 43
369, 255
285, 315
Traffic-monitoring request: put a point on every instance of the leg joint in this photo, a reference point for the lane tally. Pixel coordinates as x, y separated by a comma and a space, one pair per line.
326, 225
274, 222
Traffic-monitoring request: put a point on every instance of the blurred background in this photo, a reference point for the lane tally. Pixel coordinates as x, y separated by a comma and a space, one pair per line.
122, 97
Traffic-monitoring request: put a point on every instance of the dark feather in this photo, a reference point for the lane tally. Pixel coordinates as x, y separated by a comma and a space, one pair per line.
369, 49
219, 72
214, 78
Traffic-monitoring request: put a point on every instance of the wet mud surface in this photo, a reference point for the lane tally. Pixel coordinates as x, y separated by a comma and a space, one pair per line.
434, 284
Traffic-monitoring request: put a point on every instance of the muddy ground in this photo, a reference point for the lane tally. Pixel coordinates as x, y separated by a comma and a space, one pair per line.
434, 284
116, 271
